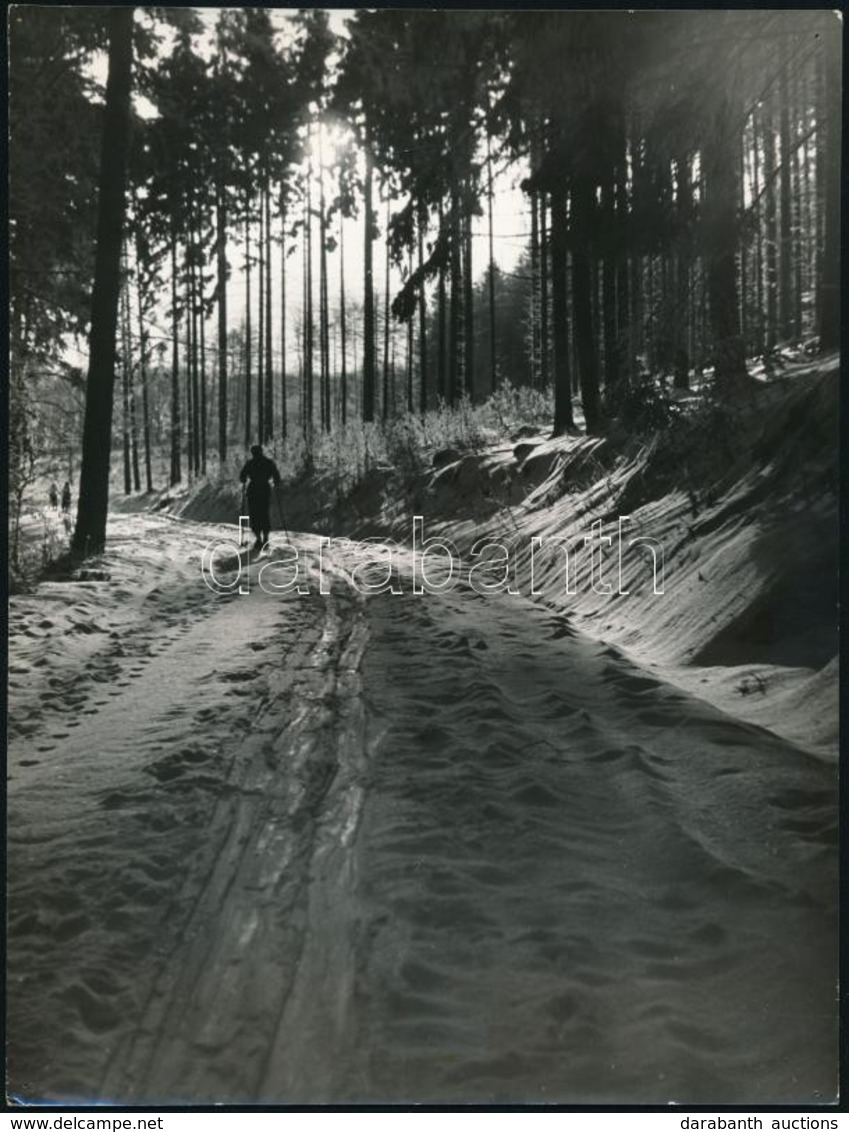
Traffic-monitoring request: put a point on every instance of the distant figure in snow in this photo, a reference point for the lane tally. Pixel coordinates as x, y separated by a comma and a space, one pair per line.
258, 474
54, 497
66, 498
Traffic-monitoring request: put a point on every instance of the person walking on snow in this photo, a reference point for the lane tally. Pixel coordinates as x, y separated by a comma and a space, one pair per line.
257, 473
66, 497
54, 497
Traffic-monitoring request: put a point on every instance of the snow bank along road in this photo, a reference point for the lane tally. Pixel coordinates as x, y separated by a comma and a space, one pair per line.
306, 848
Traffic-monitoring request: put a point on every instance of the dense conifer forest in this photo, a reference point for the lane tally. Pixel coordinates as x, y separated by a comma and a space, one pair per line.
680, 170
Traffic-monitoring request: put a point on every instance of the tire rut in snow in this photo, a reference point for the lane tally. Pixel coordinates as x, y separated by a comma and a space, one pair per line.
113, 831
235, 984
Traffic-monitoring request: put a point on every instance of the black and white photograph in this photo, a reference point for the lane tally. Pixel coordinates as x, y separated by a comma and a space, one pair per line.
423, 529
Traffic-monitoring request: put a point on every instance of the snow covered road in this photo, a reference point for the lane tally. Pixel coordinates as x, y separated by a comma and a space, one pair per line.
407, 847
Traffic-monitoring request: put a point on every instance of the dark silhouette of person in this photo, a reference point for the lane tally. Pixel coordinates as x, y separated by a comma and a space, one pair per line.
54, 497
258, 474
66, 497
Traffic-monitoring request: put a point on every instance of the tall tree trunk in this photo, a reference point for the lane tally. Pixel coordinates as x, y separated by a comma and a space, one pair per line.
770, 232
441, 369
126, 362
306, 423
148, 472
829, 315
324, 314
131, 455
343, 379
284, 417
309, 343
176, 469
190, 416
326, 317
269, 367
134, 435
193, 307
798, 242
760, 326
608, 284
334, 369
468, 298
623, 272
785, 288
582, 205
563, 419
681, 298
260, 338
90, 530
325, 349
536, 379
248, 380
423, 378
392, 371
236, 391
221, 261
134, 432
368, 289
454, 303
148, 465
203, 405
493, 367
720, 221
386, 320
410, 406
544, 333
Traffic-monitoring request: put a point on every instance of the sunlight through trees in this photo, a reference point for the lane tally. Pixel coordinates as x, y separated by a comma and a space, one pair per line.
310, 214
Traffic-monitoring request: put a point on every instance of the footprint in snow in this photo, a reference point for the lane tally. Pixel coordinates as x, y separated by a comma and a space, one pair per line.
195, 755
115, 801
95, 1014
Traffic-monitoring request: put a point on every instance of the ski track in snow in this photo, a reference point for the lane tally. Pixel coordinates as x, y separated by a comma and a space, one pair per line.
400, 848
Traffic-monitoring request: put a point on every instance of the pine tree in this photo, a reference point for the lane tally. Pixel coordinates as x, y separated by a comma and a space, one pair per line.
563, 418
90, 530
368, 292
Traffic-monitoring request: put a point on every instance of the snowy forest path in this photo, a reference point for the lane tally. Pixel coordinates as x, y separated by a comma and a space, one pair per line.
162, 834
329, 847
582, 884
